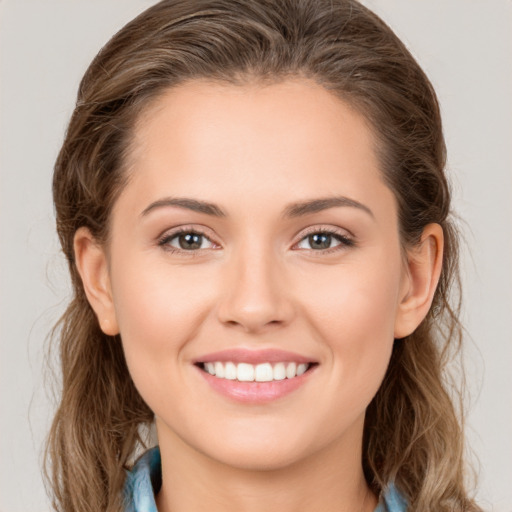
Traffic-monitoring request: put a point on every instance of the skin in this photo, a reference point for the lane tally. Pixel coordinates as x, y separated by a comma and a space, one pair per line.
257, 283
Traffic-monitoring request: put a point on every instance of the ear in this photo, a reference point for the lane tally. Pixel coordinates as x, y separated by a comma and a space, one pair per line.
92, 265
421, 275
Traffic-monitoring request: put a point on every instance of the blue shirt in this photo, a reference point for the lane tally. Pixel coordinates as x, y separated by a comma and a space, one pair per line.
145, 479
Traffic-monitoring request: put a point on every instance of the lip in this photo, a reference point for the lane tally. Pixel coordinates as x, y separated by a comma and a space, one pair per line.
255, 392
243, 355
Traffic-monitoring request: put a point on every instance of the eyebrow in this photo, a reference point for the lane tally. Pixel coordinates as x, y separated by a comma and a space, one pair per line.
293, 210
317, 205
187, 204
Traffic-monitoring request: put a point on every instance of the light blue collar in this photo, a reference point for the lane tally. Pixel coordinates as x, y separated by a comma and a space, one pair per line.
145, 479
143, 483
391, 501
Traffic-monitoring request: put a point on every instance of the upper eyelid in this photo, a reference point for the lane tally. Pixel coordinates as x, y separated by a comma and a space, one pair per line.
332, 230
177, 230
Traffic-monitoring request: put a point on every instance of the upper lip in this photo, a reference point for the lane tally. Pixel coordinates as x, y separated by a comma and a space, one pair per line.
251, 356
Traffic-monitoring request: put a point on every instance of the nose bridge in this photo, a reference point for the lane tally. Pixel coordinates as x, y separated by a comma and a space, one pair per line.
254, 295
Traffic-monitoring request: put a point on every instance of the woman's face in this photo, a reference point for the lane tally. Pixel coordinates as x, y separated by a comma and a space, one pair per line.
256, 238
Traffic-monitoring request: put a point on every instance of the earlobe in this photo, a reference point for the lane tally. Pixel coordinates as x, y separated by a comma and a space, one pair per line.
92, 265
424, 264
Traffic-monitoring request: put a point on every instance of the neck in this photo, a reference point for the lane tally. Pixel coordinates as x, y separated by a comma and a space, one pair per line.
330, 480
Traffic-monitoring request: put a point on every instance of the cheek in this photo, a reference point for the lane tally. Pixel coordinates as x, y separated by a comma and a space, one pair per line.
354, 312
354, 301
158, 308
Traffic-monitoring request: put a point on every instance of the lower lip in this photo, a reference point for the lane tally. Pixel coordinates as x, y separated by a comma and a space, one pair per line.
256, 392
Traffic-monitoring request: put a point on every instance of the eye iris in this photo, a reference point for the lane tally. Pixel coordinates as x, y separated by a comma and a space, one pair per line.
189, 241
319, 241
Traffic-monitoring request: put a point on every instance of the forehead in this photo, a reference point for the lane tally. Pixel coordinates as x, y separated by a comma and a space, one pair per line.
215, 141
193, 111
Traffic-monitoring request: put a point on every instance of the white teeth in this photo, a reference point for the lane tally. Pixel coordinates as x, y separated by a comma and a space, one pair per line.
279, 371
291, 370
264, 372
301, 369
219, 370
231, 372
244, 372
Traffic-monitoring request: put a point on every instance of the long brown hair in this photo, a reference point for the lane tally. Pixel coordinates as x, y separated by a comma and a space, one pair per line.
413, 434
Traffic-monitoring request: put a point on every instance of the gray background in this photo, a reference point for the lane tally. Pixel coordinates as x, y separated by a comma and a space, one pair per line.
45, 45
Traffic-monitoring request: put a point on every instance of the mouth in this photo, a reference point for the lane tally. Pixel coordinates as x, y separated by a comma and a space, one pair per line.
255, 376
262, 372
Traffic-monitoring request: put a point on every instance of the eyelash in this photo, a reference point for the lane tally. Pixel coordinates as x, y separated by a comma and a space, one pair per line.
165, 240
344, 240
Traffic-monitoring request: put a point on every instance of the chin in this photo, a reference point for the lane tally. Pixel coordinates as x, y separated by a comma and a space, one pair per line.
256, 458
265, 447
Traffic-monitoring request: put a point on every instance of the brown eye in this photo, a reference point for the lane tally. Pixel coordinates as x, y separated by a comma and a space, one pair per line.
190, 241
324, 241
186, 241
320, 241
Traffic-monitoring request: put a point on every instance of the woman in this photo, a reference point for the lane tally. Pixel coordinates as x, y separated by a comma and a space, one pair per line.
252, 200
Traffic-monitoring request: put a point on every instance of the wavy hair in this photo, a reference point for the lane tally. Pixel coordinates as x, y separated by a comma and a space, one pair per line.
413, 431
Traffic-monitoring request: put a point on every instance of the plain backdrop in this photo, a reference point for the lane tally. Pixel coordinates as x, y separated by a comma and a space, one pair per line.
465, 46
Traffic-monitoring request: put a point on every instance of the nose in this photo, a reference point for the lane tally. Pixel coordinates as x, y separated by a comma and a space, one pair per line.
256, 296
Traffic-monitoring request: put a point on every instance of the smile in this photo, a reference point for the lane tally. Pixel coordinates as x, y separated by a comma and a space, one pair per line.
255, 376
263, 372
